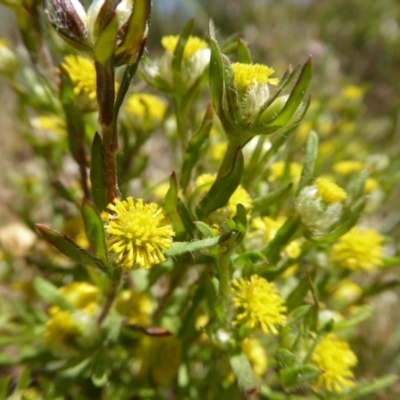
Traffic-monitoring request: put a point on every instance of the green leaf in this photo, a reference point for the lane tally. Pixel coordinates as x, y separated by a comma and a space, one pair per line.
261, 204
307, 174
298, 313
204, 229
98, 174
185, 218
105, 43
73, 116
193, 152
296, 96
243, 51
363, 389
223, 187
5, 382
179, 248
24, 380
216, 77
50, 294
63, 192
94, 230
295, 298
131, 47
281, 239
100, 367
240, 222
178, 53
171, 197
66, 246
76, 370
285, 358
244, 373
361, 314
294, 376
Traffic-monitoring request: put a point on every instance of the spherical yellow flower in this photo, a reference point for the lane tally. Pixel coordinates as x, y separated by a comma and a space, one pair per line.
277, 170
347, 167
137, 232
256, 355
359, 250
134, 305
192, 46
329, 191
60, 327
81, 295
82, 74
145, 109
259, 303
335, 358
247, 75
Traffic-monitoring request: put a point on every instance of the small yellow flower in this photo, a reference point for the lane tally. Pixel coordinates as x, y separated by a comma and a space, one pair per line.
50, 124
335, 358
144, 108
248, 75
136, 306
192, 46
138, 233
347, 167
259, 303
268, 226
82, 74
277, 170
359, 250
81, 295
256, 355
370, 185
329, 191
60, 327
347, 290
352, 92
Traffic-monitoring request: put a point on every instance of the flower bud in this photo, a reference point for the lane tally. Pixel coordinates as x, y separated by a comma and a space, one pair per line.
82, 29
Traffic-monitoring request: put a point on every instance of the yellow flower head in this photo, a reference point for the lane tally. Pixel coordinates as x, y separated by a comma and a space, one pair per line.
259, 303
81, 295
352, 92
60, 327
277, 170
193, 45
335, 358
347, 167
256, 355
82, 74
329, 191
347, 290
145, 107
136, 306
50, 124
138, 233
359, 250
248, 75
370, 185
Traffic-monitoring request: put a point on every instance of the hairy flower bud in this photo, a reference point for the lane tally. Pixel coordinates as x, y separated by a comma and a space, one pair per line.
82, 29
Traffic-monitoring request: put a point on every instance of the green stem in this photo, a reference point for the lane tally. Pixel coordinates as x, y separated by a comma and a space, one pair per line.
112, 292
224, 278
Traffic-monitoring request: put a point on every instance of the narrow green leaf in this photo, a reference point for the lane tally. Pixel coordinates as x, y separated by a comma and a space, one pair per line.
171, 197
244, 373
98, 174
105, 43
4, 385
307, 174
241, 223
94, 230
363, 389
285, 358
100, 366
204, 229
130, 49
223, 188
261, 204
63, 192
50, 294
185, 218
294, 376
296, 96
179, 248
295, 298
298, 312
66, 246
178, 53
243, 51
193, 152
281, 239
24, 380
